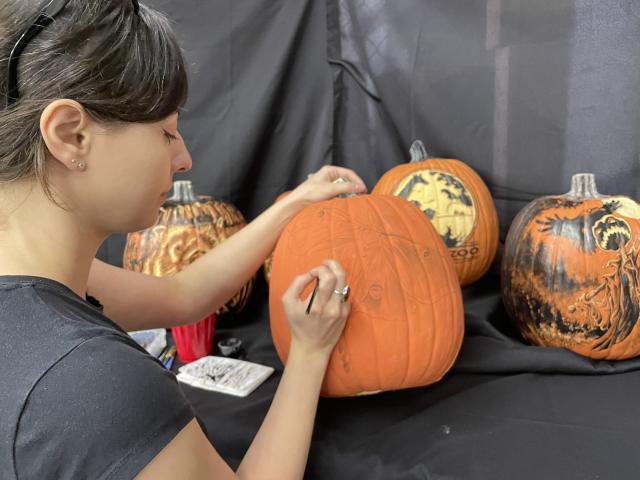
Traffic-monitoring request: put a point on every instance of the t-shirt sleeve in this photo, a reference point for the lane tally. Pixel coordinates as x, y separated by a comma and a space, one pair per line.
104, 411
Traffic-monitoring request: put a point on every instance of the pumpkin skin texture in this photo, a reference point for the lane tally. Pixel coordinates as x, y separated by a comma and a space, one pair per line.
188, 226
406, 322
457, 202
571, 272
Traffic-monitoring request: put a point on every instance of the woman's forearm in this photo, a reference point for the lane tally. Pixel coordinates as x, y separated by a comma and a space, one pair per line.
136, 301
214, 278
281, 447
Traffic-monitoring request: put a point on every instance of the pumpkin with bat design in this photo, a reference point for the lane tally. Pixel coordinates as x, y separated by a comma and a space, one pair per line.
406, 322
188, 226
458, 203
571, 272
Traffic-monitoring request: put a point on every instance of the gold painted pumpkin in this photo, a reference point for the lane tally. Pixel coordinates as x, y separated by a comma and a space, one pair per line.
406, 323
457, 202
188, 226
571, 272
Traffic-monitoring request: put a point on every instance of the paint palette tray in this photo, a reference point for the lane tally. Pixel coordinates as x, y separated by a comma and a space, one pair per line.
224, 375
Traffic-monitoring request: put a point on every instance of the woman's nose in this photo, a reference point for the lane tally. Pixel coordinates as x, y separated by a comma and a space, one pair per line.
182, 162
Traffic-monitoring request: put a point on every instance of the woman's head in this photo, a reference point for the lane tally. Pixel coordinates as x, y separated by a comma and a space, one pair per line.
100, 86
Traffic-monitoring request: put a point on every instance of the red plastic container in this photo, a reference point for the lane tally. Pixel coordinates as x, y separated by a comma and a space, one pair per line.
196, 340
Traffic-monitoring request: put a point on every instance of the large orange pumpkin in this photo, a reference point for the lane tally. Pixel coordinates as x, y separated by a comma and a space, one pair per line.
571, 272
406, 323
266, 268
188, 226
458, 203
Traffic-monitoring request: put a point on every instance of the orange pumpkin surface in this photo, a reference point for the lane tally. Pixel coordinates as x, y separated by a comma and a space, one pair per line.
458, 203
571, 272
188, 226
406, 323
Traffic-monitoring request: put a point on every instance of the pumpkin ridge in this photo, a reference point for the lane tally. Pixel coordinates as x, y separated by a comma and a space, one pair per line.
342, 337
410, 337
404, 298
374, 324
431, 303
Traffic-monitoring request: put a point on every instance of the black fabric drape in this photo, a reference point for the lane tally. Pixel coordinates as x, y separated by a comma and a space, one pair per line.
525, 92
506, 410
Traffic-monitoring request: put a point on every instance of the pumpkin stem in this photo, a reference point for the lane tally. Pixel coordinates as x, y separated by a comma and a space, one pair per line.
583, 185
183, 193
418, 152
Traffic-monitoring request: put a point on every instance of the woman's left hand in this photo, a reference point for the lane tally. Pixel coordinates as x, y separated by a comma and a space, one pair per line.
321, 185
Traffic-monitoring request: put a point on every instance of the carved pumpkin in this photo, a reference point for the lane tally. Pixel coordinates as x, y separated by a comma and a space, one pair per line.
188, 226
457, 202
406, 323
571, 272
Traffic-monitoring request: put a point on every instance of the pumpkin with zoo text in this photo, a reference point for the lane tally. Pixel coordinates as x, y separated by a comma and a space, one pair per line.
457, 202
406, 323
571, 272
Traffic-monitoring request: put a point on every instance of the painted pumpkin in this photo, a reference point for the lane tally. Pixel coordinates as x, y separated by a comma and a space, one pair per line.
188, 226
571, 272
457, 202
406, 323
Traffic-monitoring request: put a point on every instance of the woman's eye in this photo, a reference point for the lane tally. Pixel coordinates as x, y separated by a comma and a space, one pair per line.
169, 137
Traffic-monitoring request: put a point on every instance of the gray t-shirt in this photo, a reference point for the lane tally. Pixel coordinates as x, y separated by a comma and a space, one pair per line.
79, 398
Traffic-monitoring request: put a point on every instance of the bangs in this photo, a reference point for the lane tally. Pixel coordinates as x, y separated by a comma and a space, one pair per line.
141, 68
160, 67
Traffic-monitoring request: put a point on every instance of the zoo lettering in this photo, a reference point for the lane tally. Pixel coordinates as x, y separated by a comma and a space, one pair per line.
465, 253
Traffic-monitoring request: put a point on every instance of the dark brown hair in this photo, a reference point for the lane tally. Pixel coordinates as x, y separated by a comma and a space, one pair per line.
121, 66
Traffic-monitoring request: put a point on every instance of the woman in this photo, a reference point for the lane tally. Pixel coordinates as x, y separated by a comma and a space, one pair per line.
89, 143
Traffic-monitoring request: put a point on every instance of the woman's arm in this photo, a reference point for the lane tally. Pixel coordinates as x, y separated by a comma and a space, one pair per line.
281, 447
138, 302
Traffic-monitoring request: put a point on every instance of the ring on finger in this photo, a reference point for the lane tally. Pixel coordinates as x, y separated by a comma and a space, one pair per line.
343, 294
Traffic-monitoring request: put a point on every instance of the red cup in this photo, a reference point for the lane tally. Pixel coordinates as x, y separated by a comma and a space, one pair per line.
196, 340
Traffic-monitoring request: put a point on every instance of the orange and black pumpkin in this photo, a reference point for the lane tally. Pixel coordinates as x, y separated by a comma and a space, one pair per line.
406, 323
571, 272
458, 203
188, 226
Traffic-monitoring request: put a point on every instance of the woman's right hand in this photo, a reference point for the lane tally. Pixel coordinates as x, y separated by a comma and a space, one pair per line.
317, 332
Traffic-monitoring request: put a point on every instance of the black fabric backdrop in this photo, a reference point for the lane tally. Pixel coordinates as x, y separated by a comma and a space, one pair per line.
527, 93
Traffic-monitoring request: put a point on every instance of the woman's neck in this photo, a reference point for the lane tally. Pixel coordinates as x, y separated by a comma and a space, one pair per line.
41, 239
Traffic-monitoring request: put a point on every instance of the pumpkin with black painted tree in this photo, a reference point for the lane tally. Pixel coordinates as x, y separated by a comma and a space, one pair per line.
458, 203
188, 226
406, 322
571, 272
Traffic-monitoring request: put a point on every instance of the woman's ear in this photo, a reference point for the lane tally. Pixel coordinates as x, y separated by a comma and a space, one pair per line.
64, 126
